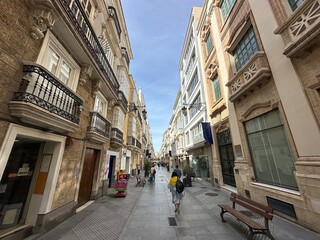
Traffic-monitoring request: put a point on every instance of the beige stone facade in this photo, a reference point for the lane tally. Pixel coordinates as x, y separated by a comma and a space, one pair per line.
265, 54
64, 98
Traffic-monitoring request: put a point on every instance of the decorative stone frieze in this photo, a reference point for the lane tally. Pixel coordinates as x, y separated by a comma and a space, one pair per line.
301, 28
43, 17
85, 74
255, 73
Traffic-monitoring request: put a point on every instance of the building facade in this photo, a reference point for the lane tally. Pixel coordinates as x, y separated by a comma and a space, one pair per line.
65, 89
266, 54
193, 101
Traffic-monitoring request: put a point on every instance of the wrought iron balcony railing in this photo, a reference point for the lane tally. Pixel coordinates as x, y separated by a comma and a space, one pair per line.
116, 136
99, 125
82, 24
39, 87
254, 73
131, 141
113, 14
138, 144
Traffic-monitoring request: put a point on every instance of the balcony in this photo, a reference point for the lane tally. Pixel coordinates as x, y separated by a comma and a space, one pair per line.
301, 31
113, 14
116, 137
42, 100
254, 74
82, 25
99, 128
132, 142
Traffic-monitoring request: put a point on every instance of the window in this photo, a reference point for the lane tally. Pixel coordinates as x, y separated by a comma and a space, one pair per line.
132, 126
270, 152
100, 104
197, 133
193, 83
209, 43
195, 106
216, 88
118, 119
245, 49
55, 58
294, 4
226, 7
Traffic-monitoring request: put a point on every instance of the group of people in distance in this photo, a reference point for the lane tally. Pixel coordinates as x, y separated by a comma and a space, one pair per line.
172, 185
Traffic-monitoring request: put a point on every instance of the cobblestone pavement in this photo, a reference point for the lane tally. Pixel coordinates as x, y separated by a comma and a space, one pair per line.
148, 214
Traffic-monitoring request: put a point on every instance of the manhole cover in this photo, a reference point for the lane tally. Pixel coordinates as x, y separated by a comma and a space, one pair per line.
172, 221
211, 194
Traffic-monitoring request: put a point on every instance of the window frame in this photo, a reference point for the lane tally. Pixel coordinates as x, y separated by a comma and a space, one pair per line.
100, 98
267, 130
50, 41
295, 4
225, 14
208, 36
214, 81
243, 41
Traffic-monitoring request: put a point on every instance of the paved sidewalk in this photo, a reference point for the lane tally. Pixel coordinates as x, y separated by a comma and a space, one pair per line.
148, 214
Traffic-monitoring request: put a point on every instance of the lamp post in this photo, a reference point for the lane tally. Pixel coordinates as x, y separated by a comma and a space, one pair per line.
134, 108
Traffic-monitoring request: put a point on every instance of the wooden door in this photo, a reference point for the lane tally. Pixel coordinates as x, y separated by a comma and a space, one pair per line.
87, 176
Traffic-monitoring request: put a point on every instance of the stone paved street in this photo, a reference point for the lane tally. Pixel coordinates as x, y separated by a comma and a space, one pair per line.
145, 213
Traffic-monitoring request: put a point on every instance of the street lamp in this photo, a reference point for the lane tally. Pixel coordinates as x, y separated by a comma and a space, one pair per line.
194, 105
133, 107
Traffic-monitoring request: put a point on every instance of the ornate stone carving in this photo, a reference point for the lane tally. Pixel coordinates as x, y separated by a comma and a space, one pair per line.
43, 16
251, 71
306, 19
96, 86
85, 74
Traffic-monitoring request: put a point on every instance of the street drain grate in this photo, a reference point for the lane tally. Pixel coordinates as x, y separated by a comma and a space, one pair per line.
172, 221
203, 187
211, 194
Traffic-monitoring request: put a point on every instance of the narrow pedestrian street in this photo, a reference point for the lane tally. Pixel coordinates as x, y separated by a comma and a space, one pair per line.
147, 213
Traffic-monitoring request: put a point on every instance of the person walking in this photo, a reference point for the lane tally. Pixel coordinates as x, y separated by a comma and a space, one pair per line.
178, 171
176, 197
152, 174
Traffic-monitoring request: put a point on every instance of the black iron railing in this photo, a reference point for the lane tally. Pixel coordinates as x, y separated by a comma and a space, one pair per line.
113, 14
44, 90
99, 124
116, 135
138, 144
131, 141
82, 24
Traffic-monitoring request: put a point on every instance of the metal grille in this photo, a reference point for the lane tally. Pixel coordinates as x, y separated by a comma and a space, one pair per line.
172, 221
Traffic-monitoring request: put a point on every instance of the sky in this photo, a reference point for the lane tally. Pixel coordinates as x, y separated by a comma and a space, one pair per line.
157, 30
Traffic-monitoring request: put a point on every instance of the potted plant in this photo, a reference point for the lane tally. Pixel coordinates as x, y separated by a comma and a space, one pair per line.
147, 167
187, 171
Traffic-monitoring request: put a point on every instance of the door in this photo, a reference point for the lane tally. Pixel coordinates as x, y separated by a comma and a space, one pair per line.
227, 164
111, 170
226, 157
16, 180
86, 182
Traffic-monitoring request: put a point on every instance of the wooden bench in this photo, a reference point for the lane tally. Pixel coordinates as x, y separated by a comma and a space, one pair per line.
254, 226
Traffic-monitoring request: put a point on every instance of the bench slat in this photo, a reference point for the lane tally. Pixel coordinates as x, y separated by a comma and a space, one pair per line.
248, 221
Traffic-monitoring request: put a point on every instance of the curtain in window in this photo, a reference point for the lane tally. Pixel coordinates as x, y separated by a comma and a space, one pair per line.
270, 152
